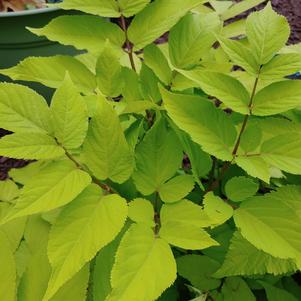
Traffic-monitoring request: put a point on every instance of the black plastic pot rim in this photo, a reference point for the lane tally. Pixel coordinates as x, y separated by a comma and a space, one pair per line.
28, 12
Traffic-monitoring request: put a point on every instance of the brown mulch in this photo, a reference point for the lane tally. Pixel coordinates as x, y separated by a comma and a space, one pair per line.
291, 9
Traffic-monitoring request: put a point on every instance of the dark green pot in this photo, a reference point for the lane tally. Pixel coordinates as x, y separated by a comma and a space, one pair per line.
17, 43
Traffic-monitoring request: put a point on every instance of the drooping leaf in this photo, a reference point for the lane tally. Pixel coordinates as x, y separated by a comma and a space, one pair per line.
176, 188
142, 258
83, 32
277, 98
56, 185
84, 227
141, 211
191, 38
159, 148
205, 124
243, 259
51, 71
240, 188
283, 152
262, 28
22, 116
8, 270
30, 146
224, 87
198, 269
157, 18
263, 217
216, 209
106, 151
70, 115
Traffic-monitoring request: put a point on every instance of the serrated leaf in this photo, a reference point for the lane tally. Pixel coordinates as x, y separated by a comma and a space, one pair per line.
159, 148
22, 116
108, 72
176, 188
236, 289
240, 188
30, 146
8, 270
191, 38
281, 65
255, 166
243, 259
83, 32
206, 125
283, 152
180, 226
8, 191
198, 269
129, 8
262, 217
277, 98
70, 116
142, 211
262, 27
103, 8
51, 71
157, 18
224, 87
142, 258
155, 59
84, 227
105, 149
48, 190
216, 209
240, 55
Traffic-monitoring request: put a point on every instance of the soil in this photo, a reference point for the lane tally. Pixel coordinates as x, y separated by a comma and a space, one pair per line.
291, 9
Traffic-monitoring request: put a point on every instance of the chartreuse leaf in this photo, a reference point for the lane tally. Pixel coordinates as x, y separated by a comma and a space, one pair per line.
243, 259
274, 293
277, 98
251, 138
158, 157
240, 55
236, 289
155, 59
84, 227
274, 218
141, 211
240, 188
70, 115
8, 270
283, 152
30, 146
129, 8
255, 166
8, 191
198, 269
106, 151
217, 210
157, 18
103, 8
205, 124
281, 65
56, 185
181, 223
142, 259
83, 32
22, 116
50, 71
176, 188
262, 28
108, 72
191, 38
224, 87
